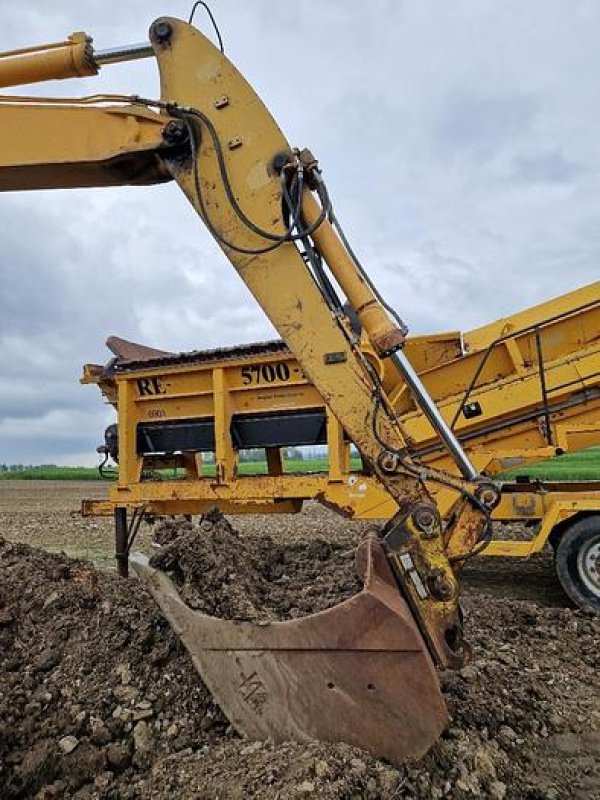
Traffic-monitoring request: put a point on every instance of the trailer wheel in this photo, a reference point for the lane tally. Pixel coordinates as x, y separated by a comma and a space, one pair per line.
577, 558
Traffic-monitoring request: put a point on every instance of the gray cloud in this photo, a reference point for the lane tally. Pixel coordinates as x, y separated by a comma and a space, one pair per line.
459, 140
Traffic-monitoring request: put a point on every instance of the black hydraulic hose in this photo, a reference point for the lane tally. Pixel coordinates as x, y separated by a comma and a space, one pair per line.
212, 19
315, 260
321, 189
278, 240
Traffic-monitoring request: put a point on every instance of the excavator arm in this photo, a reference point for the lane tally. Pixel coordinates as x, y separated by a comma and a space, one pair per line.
267, 206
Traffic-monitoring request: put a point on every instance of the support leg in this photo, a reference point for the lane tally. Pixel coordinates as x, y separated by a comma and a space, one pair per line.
121, 536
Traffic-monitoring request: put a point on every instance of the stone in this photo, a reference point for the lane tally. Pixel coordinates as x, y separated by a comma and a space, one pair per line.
125, 694
251, 748
469, 673
51, 598
497, 790
68, 743
389, 780
142, 737
101, 735
321, 769
483, 763
306, 787
506, 735
358, 765
118, 756
142, 713
46, 661
124, 672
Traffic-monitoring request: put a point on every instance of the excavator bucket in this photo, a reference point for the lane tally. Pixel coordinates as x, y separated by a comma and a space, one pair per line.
358, 672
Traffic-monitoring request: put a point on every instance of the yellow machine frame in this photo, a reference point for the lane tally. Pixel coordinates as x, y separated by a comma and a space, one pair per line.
531, 383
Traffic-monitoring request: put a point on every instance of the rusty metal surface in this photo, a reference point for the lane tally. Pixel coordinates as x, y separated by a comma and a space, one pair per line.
274, 347
125, 350
358, 672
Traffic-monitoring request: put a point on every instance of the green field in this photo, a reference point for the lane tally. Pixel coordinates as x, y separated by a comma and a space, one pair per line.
581, 466
51, 474
91, 473
584, 465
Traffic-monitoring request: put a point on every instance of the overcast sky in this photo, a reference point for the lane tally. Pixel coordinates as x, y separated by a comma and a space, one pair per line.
460, 141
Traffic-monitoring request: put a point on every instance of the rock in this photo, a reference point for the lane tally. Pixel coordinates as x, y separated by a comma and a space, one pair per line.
103, 780
125, 694
118, 756
142, 737
497, 790
556, 722
82, 766
68, 743
251, 748
46, 661
142, 713
306, 787
389, 780
124, 672
321, 769
506, 736
56, 789
181, 742
101, 735
469, 673
483, 762
206, 724
52, 598
6, 618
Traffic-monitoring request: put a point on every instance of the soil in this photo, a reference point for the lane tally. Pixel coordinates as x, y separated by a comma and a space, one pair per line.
220, 572
99, 699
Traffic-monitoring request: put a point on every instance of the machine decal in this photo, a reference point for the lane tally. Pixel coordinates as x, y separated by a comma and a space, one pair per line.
266, 373
150, 387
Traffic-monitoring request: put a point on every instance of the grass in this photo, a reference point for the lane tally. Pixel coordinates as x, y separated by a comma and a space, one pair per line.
51, 473
581, 466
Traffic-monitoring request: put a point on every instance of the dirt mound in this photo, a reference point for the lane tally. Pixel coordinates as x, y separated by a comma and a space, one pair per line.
222, 573
94, 685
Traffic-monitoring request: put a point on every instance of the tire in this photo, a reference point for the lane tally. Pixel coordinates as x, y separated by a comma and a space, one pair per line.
577, 560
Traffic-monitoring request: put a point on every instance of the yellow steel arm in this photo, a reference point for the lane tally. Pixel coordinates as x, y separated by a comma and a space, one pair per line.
80, 146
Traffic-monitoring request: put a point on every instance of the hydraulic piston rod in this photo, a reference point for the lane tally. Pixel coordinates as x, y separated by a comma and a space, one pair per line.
131, 52
432, 413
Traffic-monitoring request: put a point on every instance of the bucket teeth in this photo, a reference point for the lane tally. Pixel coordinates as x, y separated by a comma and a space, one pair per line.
358, 672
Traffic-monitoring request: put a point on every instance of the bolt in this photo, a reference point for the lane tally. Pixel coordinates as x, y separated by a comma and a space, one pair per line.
161, 32
425, 521
441, 587
175, 132
279, 162
388, 462
489, 496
